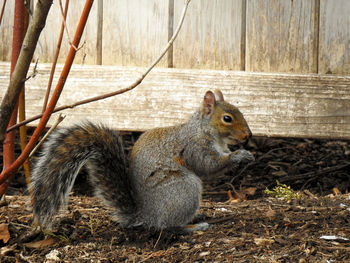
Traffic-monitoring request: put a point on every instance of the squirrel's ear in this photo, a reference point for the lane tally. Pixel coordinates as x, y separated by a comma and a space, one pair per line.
209, 103
218, 95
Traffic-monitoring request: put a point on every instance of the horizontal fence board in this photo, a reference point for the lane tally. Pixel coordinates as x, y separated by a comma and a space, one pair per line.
334, 57
281, 36
292, 105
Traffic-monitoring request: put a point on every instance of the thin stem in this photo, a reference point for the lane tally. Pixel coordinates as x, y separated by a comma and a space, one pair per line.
54, 62
2, 11
54, 126
19, 74
55, 96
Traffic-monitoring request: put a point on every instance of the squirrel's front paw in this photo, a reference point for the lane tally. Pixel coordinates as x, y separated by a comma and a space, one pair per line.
243, 156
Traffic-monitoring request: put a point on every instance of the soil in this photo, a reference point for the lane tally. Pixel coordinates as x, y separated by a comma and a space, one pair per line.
309, 222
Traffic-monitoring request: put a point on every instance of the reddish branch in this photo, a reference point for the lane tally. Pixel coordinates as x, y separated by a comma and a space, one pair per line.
19, 74
58, 48
18, 31
21, 105
55, 96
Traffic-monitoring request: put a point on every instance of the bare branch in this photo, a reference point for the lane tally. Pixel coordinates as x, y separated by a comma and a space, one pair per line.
19, 74
2, 11
54, 62
53, 127
55, 96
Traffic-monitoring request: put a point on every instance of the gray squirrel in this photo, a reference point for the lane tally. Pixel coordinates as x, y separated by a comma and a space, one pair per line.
162, 187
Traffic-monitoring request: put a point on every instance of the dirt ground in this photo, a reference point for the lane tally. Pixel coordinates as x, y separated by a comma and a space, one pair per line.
246, 224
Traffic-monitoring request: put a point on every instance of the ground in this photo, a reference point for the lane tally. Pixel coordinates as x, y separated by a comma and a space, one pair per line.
309, 222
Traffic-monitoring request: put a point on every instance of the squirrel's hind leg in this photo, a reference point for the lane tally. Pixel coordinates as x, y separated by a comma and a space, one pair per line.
171, 202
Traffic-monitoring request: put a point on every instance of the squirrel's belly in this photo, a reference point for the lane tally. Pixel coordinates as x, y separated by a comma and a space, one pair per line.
173, 203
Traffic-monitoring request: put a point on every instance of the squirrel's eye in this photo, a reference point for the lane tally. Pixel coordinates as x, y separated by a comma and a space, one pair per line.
227, 118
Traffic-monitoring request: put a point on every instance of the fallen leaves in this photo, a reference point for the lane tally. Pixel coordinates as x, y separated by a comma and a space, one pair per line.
241, 195
4, 233
263, 242
42, 243
6, 250
336, 191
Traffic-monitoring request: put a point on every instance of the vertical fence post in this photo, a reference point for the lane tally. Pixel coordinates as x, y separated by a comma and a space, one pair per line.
99, 32
170, 56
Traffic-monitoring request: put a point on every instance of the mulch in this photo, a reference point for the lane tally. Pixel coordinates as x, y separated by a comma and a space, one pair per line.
246, 226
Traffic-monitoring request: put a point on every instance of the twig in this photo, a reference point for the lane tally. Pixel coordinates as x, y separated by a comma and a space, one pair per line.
53, 127
65, 25
114, 93
160, 234
21, 69
313, 173
34, 71
53, 101
2, 10
54, 62
28, 7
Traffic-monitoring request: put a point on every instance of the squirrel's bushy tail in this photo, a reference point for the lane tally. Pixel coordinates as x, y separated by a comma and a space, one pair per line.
64, 153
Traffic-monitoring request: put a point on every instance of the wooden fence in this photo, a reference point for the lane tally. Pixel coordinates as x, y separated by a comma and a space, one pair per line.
296, 36
304, 38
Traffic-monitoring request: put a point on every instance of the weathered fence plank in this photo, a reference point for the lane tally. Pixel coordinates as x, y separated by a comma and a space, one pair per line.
134, 31
253, 35
48, 40
281, 36
334, 57
211, 35
6, 30
274, 104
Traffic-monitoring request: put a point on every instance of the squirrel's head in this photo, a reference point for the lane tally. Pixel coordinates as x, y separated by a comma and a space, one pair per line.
227, 121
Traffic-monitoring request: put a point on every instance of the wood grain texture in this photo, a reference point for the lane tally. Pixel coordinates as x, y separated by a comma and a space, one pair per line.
48, 39
281, 36
6, 28
293, 105
334, 56
134, 32
295, 36
211, 35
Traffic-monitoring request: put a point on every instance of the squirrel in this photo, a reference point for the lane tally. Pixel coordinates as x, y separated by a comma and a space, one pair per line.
162, 186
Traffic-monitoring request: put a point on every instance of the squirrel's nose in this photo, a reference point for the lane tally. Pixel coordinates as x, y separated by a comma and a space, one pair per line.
246, 137
247, 134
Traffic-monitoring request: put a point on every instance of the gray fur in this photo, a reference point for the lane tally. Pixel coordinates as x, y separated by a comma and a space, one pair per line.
163, 187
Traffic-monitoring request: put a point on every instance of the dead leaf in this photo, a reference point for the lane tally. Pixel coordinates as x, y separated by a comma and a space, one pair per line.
5, 250
279, 173
232, 199
4, 233
249, 191
302, 145
336, 191
271, 214
263, 241
42, 243
241, 195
